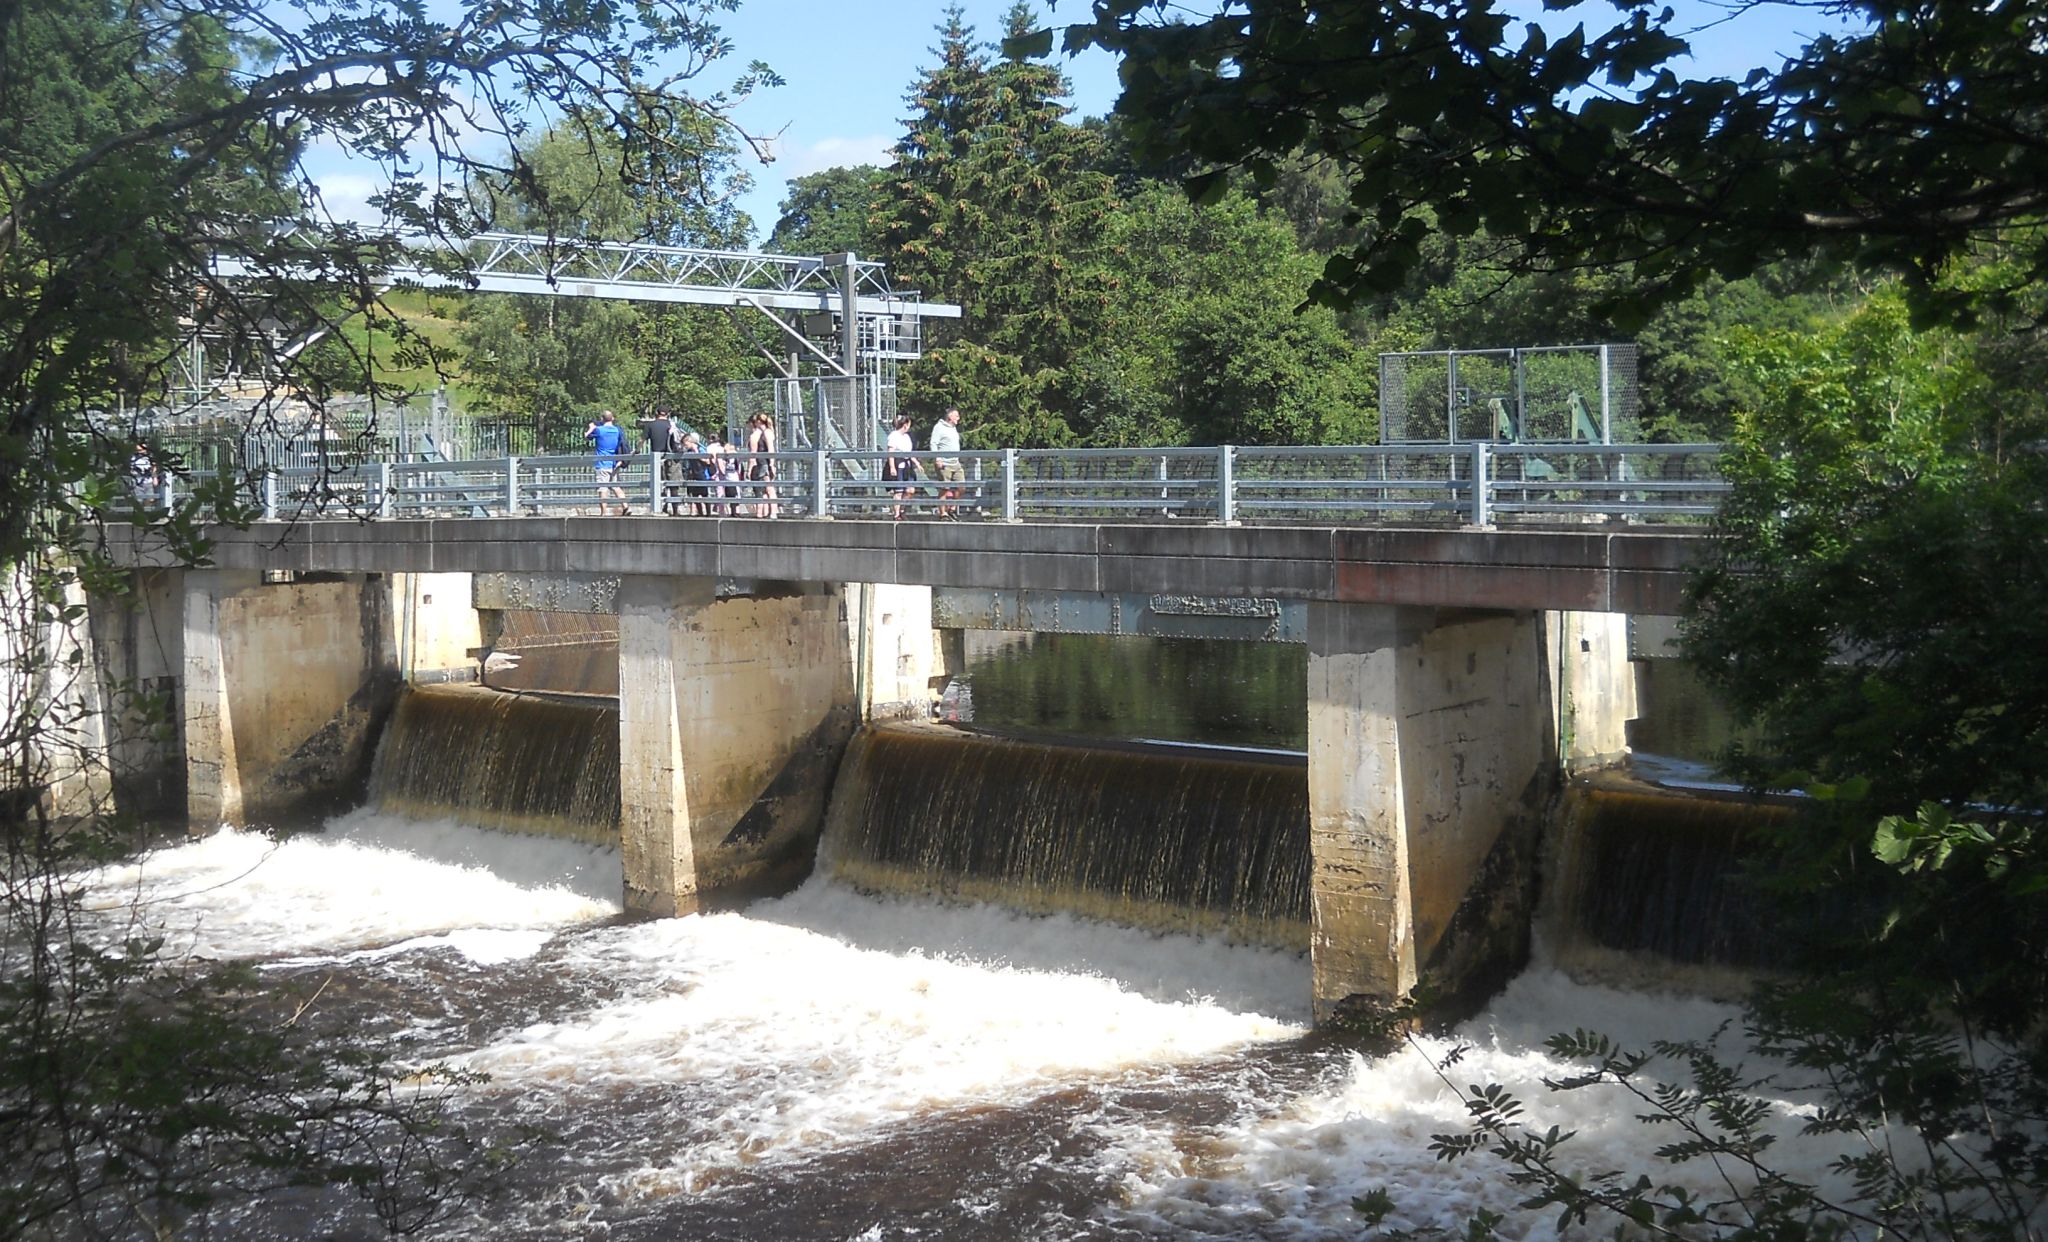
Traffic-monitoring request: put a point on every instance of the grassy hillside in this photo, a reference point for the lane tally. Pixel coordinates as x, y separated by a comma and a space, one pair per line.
434, 317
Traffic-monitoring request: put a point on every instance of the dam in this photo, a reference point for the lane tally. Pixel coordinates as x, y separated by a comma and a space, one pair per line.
1115, 1044
1452, 678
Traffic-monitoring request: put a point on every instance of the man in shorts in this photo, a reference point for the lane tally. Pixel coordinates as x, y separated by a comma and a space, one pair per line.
607, 437
946, 439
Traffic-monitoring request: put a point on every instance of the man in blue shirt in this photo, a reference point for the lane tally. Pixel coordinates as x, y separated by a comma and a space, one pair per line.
607, 437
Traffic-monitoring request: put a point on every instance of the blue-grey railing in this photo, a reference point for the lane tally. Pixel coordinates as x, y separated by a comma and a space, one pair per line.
1479, 483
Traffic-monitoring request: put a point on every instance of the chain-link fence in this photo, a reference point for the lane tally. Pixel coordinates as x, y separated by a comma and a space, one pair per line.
1568, 394
834, 412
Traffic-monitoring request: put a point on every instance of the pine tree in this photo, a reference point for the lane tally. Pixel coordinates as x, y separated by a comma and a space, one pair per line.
996, 203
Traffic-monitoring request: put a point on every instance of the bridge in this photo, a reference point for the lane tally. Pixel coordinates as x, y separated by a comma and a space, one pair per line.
1456, 668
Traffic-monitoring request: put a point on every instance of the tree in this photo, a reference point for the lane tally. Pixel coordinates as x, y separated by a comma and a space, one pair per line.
1201, 342
138, 143
1465, 294
1903, 142
1877, 603
830, 212
994, 203
560, 358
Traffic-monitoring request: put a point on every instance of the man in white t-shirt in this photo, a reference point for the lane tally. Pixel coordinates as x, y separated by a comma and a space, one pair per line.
946, 439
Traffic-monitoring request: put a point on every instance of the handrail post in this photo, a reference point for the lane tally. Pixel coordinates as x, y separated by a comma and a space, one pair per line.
1226, 484
821, 502
385, 500
654, 483
1482, 483
1009, 485
270, 494
511, 487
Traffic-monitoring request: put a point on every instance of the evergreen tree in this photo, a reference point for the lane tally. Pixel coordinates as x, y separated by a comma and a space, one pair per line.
996, 204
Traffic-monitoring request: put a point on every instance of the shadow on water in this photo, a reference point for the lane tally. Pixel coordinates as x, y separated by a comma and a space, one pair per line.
1101, 686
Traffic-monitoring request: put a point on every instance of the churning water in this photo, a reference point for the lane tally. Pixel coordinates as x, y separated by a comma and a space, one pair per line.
834, 1066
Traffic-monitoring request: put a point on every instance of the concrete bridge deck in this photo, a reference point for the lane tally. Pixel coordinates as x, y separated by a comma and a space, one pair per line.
1585, 569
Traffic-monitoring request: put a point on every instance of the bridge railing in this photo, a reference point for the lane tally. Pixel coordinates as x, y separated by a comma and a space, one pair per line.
1479, 484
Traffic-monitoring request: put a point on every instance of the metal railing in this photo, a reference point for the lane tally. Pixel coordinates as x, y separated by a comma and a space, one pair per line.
1668, 483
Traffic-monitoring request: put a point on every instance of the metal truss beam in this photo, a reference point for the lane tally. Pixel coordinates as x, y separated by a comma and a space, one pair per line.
641, 272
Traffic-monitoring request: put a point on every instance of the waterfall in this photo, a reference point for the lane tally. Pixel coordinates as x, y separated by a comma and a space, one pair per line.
516, 762
1639, 870
1165, 837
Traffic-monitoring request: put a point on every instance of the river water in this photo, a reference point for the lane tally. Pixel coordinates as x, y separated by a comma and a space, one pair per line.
835, 1066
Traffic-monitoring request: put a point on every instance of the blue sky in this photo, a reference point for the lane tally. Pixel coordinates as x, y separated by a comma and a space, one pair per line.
849, 64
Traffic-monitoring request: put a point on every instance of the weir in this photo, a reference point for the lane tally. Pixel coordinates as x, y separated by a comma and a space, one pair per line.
1167, 838
532, 763
1435, 737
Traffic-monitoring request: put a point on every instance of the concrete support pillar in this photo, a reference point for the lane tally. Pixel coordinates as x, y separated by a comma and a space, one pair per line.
1361, 905
1596, 686
902, 652
732, 716
79, 715
657, 847
284, 687
1429, 767
213, 770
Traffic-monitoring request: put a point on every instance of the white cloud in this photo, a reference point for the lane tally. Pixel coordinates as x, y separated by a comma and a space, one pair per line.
346, 195
834, 153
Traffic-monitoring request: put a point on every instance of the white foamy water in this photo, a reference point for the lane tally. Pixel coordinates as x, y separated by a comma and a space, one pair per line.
1293, 1173
804, 1025
682, 1057
369, 880
819, 1020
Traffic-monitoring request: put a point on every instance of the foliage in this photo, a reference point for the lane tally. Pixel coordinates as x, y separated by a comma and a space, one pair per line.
1887, 505
1200, 341
994, 203
1467, 293
1904, 140
830, 212
139, 143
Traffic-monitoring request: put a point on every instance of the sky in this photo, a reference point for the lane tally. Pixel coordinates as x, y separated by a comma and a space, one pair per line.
849, 63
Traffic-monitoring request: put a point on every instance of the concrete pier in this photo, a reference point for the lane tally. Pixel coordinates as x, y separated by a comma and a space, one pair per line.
284, 685
732, 716
1429, 764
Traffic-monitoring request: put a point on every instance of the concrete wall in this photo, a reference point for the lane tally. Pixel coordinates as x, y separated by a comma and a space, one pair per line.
437, 627
138, 645
1597, 693
733, 714
285, 687
1429, 766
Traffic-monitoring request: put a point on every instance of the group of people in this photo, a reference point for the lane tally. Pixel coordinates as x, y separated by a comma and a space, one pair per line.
698, 479
901, 468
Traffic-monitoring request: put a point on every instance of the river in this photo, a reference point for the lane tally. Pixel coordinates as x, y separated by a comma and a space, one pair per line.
830, 1065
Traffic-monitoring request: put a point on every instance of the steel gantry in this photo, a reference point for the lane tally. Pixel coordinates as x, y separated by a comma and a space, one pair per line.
835, 313
874, 320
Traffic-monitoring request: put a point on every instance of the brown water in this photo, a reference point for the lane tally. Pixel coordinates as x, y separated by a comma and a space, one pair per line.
534, 763
1181, 838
